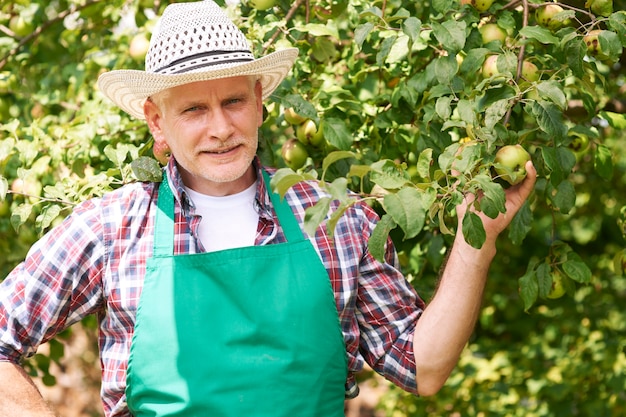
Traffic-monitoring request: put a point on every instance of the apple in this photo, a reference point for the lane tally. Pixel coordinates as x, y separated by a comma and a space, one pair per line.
20, 26
491, 32
480, 5
262, 4
593, 44
294, 154
545, 17
292, 117
5, 207
28, 188
579, 143
161, 152
309, 134
490, 66
510, 163
139, 46
557, 290
530, 72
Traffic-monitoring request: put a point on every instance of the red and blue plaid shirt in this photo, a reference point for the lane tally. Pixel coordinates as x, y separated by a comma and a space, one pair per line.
94, 263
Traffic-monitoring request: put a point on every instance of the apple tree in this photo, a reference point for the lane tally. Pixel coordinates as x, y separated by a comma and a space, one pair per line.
406, 105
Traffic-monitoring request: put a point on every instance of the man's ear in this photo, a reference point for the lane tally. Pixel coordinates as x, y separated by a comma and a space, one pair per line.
152, 113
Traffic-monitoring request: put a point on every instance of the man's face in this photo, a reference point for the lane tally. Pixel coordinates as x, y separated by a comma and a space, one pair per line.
211, 128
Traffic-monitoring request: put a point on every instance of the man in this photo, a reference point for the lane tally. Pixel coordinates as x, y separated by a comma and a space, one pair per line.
196, 319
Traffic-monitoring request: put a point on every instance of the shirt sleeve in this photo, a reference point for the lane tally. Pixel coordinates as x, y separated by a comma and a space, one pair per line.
387, 309
55, 286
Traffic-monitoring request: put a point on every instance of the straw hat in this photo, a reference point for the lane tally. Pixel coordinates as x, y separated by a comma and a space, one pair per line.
193, 42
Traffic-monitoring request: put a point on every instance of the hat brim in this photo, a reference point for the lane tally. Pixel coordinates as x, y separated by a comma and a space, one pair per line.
129, 89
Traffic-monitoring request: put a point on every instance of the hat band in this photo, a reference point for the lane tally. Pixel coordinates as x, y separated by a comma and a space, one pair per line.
205, 59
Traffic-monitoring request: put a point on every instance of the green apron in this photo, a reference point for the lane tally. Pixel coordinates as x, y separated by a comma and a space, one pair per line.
251, 331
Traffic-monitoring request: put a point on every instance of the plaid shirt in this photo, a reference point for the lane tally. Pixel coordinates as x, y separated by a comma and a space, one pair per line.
94, 263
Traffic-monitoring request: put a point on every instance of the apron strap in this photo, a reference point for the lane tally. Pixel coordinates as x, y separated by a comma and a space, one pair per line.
164, 221
287, 219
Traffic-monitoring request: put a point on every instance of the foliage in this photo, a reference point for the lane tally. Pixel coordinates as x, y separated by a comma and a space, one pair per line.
410, 122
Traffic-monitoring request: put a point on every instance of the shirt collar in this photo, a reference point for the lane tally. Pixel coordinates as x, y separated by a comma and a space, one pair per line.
263, 202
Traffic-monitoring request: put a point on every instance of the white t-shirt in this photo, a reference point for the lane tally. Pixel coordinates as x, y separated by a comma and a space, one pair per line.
227, 222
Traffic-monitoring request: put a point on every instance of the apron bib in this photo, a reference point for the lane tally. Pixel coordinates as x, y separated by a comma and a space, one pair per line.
250, 331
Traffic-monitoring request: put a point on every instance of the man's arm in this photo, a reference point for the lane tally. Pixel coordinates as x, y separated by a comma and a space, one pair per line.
448, 321
18, 394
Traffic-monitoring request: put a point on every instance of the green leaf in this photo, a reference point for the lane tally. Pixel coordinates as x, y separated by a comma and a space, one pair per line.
362, 32
408, 208
552, 91
317, 29
521, 224
300, 106
337, 133
610, 44
48, 215
493, 200
323, 49
378, 239
315, 215
544, 279
442, 107
473, 230
411, 27
578, 271
560, 161
335, 156
147, 169
466, 111
563, 197
473, 61
540, 34
388, 175
20, 215
528, 289
603, 162
616, 120
4, 188
496, 112
549, 118
284, 179
445, 70
7, 148
617, 22
575, 51
385, 50
424, 162
450, 34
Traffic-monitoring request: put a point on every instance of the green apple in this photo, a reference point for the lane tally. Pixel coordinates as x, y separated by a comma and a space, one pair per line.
161, 152
294, 154
593, 44
480, 5
309, 134
530, 72
557, 290
139, 47
491, 32
292, 117
20, 26
490, 66
510, 163
545, 17
262, 4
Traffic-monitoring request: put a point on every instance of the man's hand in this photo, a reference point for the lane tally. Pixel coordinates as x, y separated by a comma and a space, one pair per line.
515, 198
19, 395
